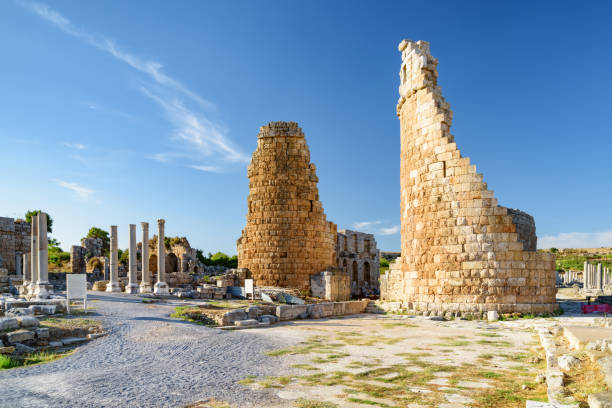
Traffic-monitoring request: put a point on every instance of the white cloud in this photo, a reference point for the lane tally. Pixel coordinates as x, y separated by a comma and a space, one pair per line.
576, 240
212, 169
77, 146
83, 193
197, 135
390, 231
194, 131
365, 225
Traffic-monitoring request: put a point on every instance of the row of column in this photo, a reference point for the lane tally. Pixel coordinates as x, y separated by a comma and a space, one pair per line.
36, 277
160, 287
570, 277
596, 277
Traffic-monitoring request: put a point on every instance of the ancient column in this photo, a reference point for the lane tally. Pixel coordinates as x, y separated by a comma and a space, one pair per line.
27, 275
145, 285
42, 283
113, 283
33, 253
132, 286
161, 287
599, 277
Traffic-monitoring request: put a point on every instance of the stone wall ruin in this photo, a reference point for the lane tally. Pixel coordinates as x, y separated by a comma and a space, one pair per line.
461, 251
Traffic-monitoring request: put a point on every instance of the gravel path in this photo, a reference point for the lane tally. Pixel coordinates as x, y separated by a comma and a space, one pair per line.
148, 360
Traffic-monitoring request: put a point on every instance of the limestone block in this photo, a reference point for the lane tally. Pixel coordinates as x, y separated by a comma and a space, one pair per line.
28, 321
290, 312
19, 336
42, 333
8, 323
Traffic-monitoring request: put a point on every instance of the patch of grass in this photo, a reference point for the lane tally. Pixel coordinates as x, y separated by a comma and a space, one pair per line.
358, 339
452, 342
486, 356
7, 362
194, 315
495, 343
41, 357
583, 380
332, 358
248, 380
305, 367
489, 374
398, 324
368, 402
490, 334
315, 344
305, 403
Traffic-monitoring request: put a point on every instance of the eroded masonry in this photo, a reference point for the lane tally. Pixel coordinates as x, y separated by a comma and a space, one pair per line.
461, 251
287, 237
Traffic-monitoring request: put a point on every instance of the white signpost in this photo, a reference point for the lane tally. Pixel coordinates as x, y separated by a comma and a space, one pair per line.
248, 288
76, 288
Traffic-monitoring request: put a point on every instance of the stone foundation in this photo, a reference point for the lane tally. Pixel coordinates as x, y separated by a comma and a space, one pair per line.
334, 285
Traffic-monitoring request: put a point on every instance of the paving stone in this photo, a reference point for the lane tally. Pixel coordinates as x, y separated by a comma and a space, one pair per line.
458, 398
438, 381
473, 384
55, 344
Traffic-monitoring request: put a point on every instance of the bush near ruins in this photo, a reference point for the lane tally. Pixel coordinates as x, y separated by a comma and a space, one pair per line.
30, 213
95, 232
57, 256
384, 265
218, 259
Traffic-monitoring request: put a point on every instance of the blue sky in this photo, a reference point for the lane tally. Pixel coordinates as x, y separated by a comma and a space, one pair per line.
122, 112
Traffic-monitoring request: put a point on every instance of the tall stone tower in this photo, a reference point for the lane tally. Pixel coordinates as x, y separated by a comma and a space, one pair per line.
287, 237
460, 250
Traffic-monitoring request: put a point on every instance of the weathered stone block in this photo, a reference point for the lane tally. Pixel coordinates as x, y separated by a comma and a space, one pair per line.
19, 336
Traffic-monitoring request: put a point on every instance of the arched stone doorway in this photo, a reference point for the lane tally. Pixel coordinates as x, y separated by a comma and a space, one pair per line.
366, 272
171, 263
355, 272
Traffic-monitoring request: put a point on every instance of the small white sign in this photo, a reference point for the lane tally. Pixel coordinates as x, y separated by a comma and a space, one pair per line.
248, 288
76, 288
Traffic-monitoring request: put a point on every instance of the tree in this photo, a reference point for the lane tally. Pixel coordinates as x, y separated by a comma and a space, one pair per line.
124, 256
554, 250
95, 232
30, 213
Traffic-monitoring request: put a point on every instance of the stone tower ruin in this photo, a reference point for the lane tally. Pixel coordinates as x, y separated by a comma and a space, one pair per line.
461, 251
287, 237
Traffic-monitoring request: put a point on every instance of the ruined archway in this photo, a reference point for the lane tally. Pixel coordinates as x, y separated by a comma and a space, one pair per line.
171, 263
355, 272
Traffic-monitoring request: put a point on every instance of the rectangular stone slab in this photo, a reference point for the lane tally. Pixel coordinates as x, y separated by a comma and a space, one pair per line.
579, 336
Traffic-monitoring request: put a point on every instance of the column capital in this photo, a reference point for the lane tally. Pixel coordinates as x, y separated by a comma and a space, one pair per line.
144, 225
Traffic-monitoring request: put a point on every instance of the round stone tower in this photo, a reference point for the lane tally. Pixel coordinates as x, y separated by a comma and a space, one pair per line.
287, 237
